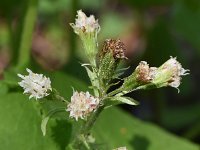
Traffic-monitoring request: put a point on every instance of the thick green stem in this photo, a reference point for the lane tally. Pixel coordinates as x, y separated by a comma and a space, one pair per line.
85, 129
27, 34
90, 122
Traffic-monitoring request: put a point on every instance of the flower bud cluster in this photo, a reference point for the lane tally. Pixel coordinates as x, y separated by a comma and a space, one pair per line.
110, 56
168, 74
36, 85
82, 104
116, 47
144, 77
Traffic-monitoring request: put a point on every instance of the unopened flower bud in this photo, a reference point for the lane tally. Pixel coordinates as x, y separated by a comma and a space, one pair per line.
144, 73
110, 56
82, 104
116, 47
169, 74
36, 85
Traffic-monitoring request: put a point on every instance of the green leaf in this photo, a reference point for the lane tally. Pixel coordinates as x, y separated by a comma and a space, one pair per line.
48, 116
44, 124
91, 75
115, 128
126, 100
3, 88
11, 78
93, 79
19, 128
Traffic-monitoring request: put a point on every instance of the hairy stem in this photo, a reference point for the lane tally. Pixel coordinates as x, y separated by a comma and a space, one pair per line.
86, 128
56, 95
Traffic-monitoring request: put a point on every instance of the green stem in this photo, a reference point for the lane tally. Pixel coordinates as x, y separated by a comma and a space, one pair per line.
85, 129
56, 95
92, 119
27, 33
85, 143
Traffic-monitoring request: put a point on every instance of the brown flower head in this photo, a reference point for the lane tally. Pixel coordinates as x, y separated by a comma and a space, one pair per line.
116, 47
144, 73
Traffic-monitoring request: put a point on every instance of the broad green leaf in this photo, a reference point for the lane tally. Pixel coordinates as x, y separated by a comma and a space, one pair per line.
20, 125
115, 128
3, 88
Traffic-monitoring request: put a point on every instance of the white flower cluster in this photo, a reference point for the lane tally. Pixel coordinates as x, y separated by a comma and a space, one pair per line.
82, 104
175, 70
85, 24
37, 85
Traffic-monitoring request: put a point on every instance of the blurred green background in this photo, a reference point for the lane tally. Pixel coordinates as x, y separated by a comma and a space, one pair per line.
37, 34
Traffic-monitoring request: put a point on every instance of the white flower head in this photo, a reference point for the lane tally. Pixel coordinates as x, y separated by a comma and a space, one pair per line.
82, 104
171, 71
85, 24
36, 85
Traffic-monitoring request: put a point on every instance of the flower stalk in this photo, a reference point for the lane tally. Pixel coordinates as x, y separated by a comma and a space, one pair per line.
86, 128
